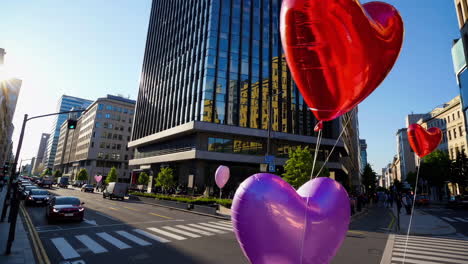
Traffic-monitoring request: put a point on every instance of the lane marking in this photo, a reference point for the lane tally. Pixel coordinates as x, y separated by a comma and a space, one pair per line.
91, 222
114, 241
414, 261
441, 249
91, 244
110, 217
152, 236
181, 231
222, 224
167, 217
133, 209
208, 228
162, 232
215, 226
419, 256
65, 249
432, 253
461, 219
431, 245
448, 219
112, 208
36, 241
133, 238
195, 230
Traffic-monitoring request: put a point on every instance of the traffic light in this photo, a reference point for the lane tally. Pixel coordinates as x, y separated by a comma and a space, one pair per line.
6, 168
71, 124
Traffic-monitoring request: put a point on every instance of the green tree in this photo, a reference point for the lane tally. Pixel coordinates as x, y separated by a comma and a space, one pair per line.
459, 171
299, 165
57, 173
435, 168
46, 172
143, 178
398, 185
165, 178
411, 178
82, 175
112, 175
369, 179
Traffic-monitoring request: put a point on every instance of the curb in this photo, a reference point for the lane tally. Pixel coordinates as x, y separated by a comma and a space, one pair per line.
363, 211
38, 247
188, 211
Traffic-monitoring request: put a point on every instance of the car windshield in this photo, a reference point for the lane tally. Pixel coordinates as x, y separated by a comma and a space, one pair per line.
421, 197
88, 185
39, 192
67, 200
30, 188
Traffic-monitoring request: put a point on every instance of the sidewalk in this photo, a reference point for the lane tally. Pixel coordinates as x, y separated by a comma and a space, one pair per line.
21, 251
422, 223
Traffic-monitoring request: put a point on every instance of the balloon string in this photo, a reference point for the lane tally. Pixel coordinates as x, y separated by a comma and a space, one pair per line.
317, 146
412, 211
336, 142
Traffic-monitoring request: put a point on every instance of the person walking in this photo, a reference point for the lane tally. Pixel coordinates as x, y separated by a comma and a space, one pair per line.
2, 183
390, 200
407, 202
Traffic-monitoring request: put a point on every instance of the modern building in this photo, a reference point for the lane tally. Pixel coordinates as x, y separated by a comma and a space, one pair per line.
405, 154
9, 92
40, 153
213, 78
449, 118
350, 138
363, 151
99, 141
65, 103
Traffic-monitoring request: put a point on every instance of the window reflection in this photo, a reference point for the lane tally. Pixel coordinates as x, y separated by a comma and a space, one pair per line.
237, 146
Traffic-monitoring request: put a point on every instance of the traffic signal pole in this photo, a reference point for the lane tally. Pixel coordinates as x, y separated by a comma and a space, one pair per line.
12, 199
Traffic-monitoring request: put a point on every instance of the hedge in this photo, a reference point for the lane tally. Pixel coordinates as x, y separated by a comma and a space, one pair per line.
200, 201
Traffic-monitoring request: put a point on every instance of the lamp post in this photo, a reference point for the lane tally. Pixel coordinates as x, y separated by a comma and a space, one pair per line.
14, 199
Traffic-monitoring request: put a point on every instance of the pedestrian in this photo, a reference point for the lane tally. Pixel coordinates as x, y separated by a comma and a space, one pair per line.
398, 203
390, 200
1, 185
407, 202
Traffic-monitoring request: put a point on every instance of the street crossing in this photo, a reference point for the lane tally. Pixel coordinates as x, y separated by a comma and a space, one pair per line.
429, 250
455, 219
103, 242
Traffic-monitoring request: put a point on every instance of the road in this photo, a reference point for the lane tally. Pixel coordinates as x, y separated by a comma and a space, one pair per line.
133, 232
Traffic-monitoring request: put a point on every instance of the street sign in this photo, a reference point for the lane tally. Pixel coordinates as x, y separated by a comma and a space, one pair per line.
269, 159
271, 167
190, 181
263, 167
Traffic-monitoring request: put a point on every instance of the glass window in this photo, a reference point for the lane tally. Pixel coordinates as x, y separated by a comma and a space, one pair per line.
108, 107
100, 107
108, 116
97, 124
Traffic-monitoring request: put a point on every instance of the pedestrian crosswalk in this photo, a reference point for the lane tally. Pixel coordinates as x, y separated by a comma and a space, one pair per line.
455, 219
103, 242
429, 250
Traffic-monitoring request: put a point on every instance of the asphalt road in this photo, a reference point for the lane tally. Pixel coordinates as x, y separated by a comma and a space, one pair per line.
133, 232
458, 218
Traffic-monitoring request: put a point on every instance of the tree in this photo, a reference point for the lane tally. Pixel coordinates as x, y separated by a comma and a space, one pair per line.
369, 179
143, 178
459, 171
299, 165
398, 185
57, 173
112, 175
47, 171
411, 178
83, 175
435, 168
165, 178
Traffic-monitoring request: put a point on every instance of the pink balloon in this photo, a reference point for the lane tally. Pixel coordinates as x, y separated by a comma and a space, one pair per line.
274, 223
98, 178
222, 176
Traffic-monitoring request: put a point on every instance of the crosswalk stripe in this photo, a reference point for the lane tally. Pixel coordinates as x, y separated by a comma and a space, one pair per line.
448, 219
162, 232
461, 219
91, 244
152, 236
427, 252
133, 238
195, 230
442, 249
426, 245
414, 261
220, 224
64, 248
429, 258
431, 243
114, 241
181, 231
436, 239
216, 226
208, 228
223, 224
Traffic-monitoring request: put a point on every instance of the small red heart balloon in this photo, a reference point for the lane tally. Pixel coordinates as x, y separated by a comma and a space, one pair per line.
423, 142
339, 51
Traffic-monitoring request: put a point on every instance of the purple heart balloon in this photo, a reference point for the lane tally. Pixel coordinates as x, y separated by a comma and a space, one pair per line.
269, 220
222, 176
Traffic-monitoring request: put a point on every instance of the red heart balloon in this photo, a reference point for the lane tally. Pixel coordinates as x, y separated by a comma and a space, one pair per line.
423, 142
339, 51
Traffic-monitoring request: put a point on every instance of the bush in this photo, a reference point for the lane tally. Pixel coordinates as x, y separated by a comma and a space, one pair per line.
198, 201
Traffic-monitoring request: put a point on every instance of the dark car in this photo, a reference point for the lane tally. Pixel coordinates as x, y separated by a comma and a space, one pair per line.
37, 197
64, 208
422, 200
26, 190
87, 188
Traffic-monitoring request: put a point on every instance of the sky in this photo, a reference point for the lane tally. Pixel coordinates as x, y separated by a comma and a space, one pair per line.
92, 48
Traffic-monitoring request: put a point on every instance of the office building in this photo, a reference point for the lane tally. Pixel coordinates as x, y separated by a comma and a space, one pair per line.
9, 92
209, 72
405, 154
40, 154
65, 103
363, 151
99, 141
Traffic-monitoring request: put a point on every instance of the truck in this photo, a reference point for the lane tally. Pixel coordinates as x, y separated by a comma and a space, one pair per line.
115, 190
63, 182
46, 181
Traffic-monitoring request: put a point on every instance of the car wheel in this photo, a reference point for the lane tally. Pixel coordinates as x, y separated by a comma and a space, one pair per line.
103, 196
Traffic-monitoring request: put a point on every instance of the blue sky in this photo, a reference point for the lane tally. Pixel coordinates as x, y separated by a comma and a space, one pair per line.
90, 48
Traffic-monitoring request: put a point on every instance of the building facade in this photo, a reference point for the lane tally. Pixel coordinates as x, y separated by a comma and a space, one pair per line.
363, 151
99, 141
39, 163
405, 154
213, 76
9, 92
65, 103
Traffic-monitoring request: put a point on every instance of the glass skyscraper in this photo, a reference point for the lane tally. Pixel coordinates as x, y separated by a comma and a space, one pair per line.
209, 70
65, 103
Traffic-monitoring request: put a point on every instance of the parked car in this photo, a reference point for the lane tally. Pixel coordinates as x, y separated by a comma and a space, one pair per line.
26, 190
37, 197
422, 200
64, 208
46, 181
63, 182
115, 190
87, 188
